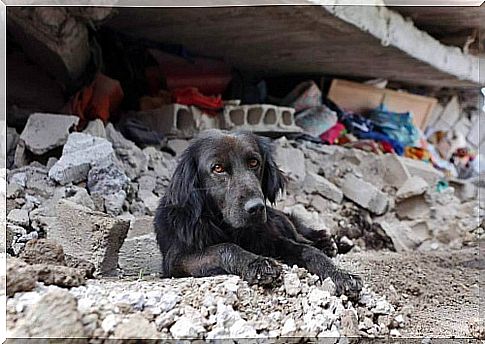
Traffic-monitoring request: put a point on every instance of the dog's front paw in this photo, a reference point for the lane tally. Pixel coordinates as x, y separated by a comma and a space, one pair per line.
347, 284
262, 271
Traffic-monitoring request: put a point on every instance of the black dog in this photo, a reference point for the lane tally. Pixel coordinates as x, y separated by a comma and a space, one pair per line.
214, 220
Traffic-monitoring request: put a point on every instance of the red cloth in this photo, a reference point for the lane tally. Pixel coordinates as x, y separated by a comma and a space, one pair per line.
192, 96
332, 134
98, 100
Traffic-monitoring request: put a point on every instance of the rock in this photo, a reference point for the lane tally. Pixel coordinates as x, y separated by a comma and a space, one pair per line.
150, 200
43, 251
54, 316
178, 145
140, 252
136, 326
44, 132
476, 327
395, 171
401, 235
289, 327
12, 141
292, 284
315, 183
110, 183
89, 235
169, 300
464, 190
95, 128
242, 329
78, 195
14, 190
110, 322
423, 170
349, 323
19, 276
364, 194
329, 286
162, 164
18, 217
383, 307
86, 267
185, 327
34, 179
61, 276
51, 162
132, 157
318, 297
80, 154
413, 208
414, 186
291, 161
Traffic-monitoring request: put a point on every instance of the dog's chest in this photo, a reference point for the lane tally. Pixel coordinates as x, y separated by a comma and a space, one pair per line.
254, 240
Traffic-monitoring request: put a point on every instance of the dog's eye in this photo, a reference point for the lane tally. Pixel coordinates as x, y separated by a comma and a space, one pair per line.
253, 163
218, 168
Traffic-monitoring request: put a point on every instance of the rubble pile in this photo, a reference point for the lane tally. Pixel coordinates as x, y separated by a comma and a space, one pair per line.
81, 204
209, 308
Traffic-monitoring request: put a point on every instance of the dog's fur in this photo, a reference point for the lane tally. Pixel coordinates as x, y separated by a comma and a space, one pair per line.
211, 222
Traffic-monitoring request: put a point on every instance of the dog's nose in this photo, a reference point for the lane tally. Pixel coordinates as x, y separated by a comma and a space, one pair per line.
254, 206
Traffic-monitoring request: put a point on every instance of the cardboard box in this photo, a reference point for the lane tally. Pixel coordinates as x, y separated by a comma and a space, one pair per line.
362, 98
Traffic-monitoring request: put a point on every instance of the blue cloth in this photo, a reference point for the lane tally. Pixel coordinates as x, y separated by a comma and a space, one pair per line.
366, 129
398, 126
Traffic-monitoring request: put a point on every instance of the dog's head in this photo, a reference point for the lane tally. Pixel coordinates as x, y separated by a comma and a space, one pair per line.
231, 174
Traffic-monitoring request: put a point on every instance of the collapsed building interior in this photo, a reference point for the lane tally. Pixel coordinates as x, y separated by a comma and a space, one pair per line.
375, 113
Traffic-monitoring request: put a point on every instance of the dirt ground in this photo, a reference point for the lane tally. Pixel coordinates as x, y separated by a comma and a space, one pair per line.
438, 291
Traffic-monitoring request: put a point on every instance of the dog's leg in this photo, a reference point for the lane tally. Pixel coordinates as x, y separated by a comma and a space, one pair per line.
221, 259
320, 239
316, 262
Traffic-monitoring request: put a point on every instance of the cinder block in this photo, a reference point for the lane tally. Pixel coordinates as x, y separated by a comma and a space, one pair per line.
178, 120
260, 118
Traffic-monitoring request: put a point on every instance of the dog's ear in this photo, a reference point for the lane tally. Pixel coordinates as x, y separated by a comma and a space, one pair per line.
273, 180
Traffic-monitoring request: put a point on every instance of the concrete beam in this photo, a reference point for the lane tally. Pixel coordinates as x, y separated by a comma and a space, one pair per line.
345, 41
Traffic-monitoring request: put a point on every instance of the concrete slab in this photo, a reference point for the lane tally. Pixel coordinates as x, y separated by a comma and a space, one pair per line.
357, 41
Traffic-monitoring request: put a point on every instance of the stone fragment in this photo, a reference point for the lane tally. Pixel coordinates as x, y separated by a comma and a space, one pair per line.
43, 251
135, 326
19, 276
95, 128
315, 183
291, 161
89, 235
140, 252
18, 217
55, 315
414, 186
364, 194
44, 132
80, 154
292, 284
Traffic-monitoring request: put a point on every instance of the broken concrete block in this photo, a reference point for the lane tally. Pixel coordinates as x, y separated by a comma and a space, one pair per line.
18, 217
395, 172
162, 164
423, 170
140, 252
19, 276
80, 154
291, 161
44, 132
95, 128
421, 230
260, 118
179, 120
364, 194
43, 251
63, 320
132, 157
89, 235
413, 208
414, 186
464, 190
110, 183
315, 183
401, 235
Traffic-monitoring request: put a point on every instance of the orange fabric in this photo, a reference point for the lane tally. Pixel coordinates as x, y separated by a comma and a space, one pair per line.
98, 100
417, 153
